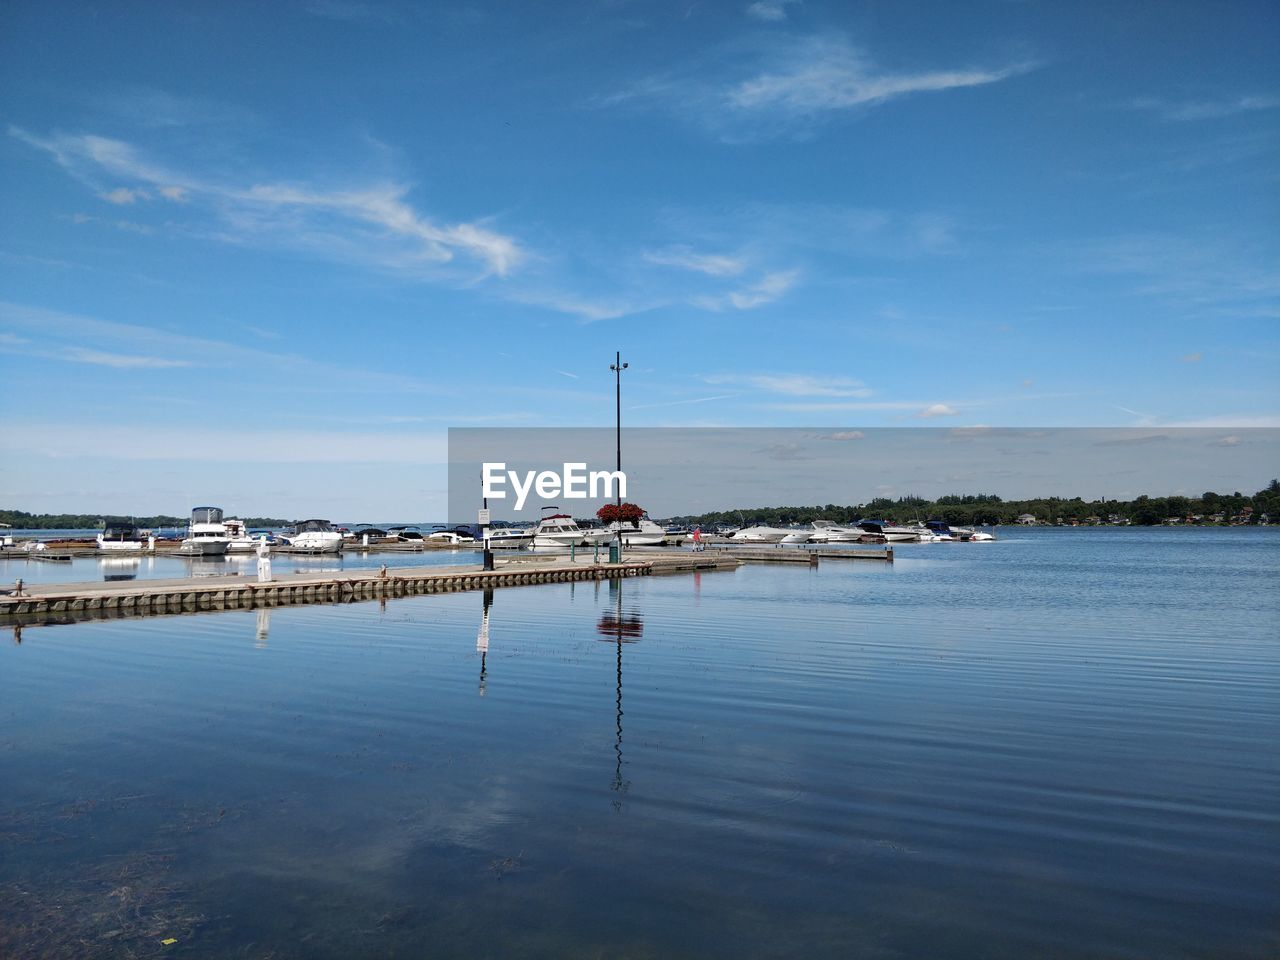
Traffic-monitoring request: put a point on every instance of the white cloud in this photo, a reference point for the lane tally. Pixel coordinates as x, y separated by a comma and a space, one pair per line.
1193, 357
104, 359
843, 435
711, 264
121, 196
1191, 110
797, 385
825, 75
768, 289
937, 410
769, 10
374, 222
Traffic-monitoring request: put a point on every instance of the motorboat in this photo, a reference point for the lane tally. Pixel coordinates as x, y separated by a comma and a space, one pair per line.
121, 538
510, 538
924, 534
880, 532
561, 530
450, 535
827, 531
762, 534
644, 534
206, 535
239, 540
406, 534
314, 536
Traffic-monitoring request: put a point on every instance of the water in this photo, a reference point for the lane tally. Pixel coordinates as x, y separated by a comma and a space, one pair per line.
170, 567
1059, 745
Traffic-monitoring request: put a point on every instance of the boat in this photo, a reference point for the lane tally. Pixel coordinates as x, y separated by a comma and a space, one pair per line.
441, 533
561, 530
510, 538
206, 535
405, 534
121, 538
827, 531
314, 536
798, 535
644, 534
239, 539
762, 534
877, 531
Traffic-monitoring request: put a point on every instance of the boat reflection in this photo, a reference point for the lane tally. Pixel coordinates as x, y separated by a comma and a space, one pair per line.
119, 568
619, 628
208, 566
263, 628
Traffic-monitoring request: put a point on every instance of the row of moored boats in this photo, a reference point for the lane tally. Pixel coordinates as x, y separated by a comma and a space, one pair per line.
860, 531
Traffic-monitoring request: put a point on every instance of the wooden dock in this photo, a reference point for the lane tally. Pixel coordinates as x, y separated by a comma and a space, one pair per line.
45, 603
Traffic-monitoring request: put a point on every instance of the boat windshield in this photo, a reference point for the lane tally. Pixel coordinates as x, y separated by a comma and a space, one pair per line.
206, 515
119, 533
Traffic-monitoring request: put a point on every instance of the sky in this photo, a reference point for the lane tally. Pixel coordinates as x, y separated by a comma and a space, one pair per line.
265, 255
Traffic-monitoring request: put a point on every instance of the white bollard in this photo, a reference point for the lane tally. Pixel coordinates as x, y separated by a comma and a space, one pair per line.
264, 561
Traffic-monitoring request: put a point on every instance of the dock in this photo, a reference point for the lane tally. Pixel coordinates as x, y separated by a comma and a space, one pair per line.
69, 602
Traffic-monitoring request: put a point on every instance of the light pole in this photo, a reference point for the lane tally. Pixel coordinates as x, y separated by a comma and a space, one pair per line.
617, 367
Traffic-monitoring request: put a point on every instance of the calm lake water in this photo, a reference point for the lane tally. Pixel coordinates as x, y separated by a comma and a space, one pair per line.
1059, 745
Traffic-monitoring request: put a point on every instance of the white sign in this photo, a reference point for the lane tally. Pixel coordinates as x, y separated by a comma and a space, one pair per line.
483, 518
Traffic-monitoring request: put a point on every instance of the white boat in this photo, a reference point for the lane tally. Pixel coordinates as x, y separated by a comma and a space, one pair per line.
886, 533
646, 534
450, 535
314, 536
120, 538
826, 531
762, 534
238, 539
561, 530
510, 538
798, 535
207, 534
981, 536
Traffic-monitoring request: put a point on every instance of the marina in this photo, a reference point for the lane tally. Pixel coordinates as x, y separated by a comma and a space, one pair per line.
1081, 720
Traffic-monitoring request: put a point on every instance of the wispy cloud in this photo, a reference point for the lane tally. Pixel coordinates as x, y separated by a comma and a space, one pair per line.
776, 89
1193, 357
796, 384
123, 197
124, 361
827, 75
766, 290
937, 410
371, 222
1189, 110
715, 265
681, 403
771, 11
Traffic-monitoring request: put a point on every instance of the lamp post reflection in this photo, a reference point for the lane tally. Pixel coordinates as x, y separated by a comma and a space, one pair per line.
619, 629
482, 639
263, 629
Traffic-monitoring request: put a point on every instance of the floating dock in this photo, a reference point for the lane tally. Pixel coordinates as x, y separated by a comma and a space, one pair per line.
45, 603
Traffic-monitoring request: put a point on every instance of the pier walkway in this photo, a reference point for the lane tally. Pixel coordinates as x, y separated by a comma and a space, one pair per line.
45, 603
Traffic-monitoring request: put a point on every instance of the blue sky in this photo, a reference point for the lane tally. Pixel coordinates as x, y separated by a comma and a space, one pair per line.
264, 255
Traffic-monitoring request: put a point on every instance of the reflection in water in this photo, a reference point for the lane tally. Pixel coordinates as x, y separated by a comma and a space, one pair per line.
264, 628
620, 629
482, 639
17, 634
208, 566
119, 568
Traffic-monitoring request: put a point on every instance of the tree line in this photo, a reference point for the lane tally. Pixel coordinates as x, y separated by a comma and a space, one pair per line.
984, 509
21, 520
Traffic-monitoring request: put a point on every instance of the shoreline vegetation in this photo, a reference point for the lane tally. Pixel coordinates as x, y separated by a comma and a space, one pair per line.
1208, 509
